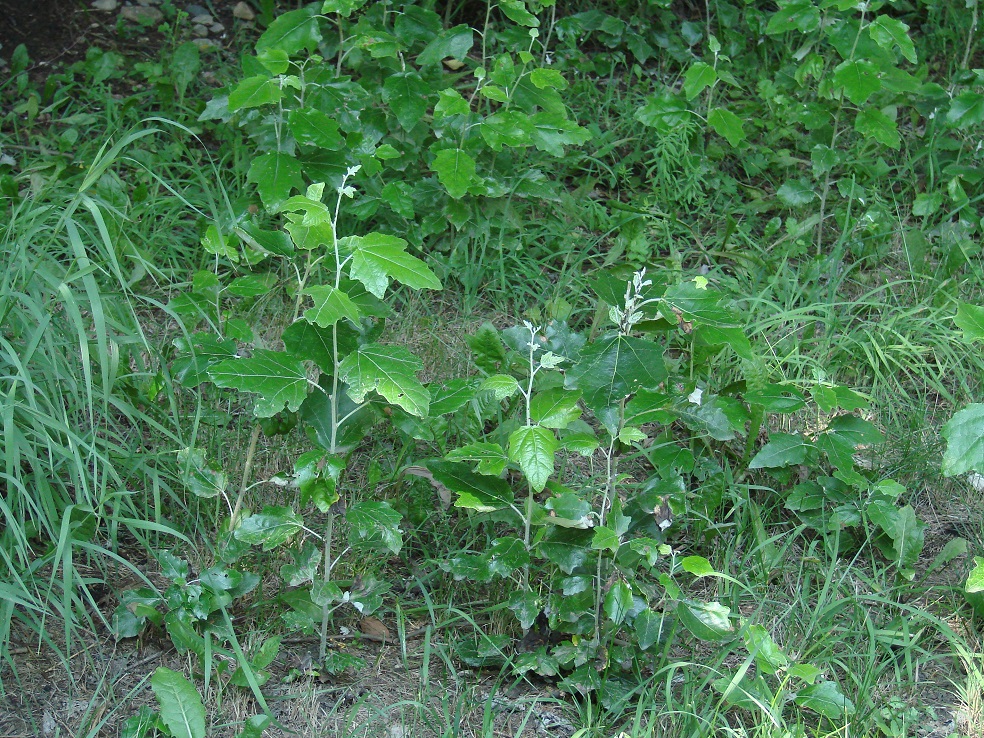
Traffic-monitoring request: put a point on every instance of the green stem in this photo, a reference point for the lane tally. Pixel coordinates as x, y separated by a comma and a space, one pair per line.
247, 470
325, 609
527, 526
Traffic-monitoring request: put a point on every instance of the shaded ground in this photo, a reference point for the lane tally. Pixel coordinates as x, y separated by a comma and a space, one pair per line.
49, 28
405, 691
59, 32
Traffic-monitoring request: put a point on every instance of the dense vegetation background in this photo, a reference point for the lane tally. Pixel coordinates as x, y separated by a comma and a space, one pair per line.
494, 368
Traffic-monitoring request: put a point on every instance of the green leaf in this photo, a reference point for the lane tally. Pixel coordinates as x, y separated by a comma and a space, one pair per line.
408, 95
905, 530
746, 693
525, 606
609, 370
292, 31
783, 449
964, 435
507, 128
455, 170
618, 601
182, 710
202, 478
859, 80
888, 32
275, 175
970, 319
254, 726
975, 581
555, 408
375, 523
807, 672
304, 567
544, 78
308, 342
698, 304
491, 458
388, 370
253, 92
829, 398
215, 243
505, 555
500, 386
605, 539
568, 548
515, 10
377, 257
311, 127
794, 15
451, 396
698, 566
795, 193
776, 398
271, 527
664, 113
252, 285
454, 43
874, 124
769, 658
266, 242
476, 491
966, 110
569, 511
648, 628
533, 448
278, 379
450, 102
708, 621
330, 306
342, 7
552, 132
927, 203
826, 699
727, 124
699, 77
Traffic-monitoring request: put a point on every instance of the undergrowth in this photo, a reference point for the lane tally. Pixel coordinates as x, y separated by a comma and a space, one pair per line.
614, 348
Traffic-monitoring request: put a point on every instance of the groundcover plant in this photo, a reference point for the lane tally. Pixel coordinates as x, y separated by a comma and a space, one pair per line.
609, 348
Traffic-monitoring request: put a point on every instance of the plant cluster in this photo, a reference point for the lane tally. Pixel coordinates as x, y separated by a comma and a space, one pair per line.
636, 461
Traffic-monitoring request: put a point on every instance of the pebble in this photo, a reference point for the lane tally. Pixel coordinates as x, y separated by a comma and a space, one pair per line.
106, 5
203, 20
243, 12
148, 2
196, 10
199, 30
142, 14
205, 44
216, 28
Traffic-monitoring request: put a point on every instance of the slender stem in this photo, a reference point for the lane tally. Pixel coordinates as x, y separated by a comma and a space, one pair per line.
971, 34
527, 525
247, 470
325, 609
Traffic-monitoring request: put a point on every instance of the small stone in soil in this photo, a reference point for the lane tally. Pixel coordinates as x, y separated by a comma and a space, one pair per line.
105, 5
199, 30
204, 19
142, 15
216, 28
196, 10
243, 12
